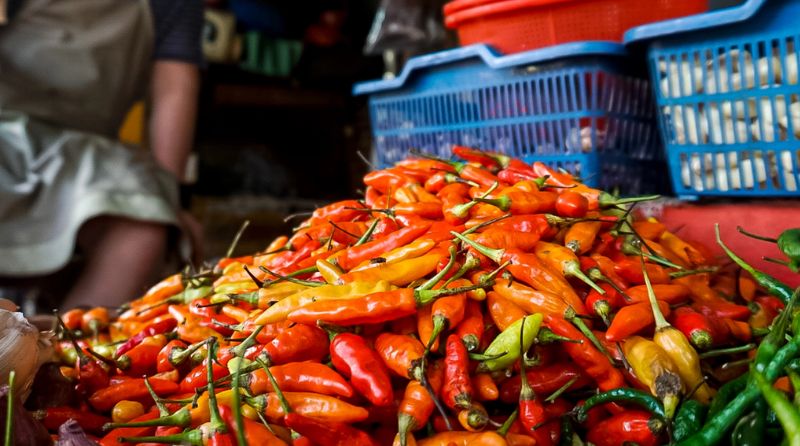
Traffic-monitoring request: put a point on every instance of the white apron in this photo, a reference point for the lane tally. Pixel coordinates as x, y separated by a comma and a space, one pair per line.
69, 71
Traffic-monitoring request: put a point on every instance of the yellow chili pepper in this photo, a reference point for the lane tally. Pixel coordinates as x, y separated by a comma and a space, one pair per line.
282, 308
678, 348
654, 368
414, 249
244, 286
398, 273
330, 272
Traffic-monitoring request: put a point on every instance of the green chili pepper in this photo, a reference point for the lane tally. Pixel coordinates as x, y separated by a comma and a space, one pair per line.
787, 414
718, 425
750, 430
621, 395
507, 343
567, 437
777, 334
771, 285
789, 244
726, 393
689, 419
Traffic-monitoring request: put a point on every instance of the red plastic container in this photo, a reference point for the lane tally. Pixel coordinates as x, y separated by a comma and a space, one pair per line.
512, 26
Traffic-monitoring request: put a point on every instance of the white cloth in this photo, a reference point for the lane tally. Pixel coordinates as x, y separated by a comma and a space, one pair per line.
69, 70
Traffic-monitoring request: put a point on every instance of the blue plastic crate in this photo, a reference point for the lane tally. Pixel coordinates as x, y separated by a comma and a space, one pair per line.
726, 87
579, 106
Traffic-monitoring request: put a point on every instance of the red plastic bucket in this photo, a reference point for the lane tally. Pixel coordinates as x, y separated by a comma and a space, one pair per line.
513, 26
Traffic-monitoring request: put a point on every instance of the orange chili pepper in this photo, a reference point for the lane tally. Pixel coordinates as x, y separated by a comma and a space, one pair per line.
581, 236
529, 299
632, 319
503, 311
401, 354
671, 293
485, 387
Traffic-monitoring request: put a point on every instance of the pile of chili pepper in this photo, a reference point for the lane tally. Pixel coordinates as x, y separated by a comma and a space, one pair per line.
483, 301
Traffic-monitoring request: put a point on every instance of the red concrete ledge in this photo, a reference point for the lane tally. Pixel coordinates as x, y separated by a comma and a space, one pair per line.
696, 222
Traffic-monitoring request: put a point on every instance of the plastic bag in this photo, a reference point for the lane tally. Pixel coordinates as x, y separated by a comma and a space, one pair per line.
407, 25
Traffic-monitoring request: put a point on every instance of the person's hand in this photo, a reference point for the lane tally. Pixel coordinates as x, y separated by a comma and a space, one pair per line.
193, 231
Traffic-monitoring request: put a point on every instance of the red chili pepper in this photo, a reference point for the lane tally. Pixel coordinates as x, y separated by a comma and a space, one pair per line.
531, 410
386, 180
457, 389
346, 210
603, 304
328, 433
401, 354
594, 363
632, 319
112, 437
608, 268
630, 269
54, 417
695, 326
504, 239
476, 174
142, 359
545, 380
165, 361
632, 426
486, 159
132, 389
470, 330
572, 204
160, 327
722, 309
299, 377
352, 356
375, 199
297, 343
198, 377
351, 257
535, 224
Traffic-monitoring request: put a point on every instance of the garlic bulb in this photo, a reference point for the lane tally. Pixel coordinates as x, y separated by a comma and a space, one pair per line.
22, 349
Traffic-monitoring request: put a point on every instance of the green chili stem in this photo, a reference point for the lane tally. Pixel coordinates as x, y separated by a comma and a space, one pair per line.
435, 279
661, 321
577, 322
756, 236
775, 261
307, 283
503, 430
727, 351
10, 408
162, 409
771, 284
679, 274
237, 409
368, 234
276, 388
482, 225
235, 241
561, 390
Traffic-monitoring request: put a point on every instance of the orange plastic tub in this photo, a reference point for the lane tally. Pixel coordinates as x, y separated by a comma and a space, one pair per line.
512, 26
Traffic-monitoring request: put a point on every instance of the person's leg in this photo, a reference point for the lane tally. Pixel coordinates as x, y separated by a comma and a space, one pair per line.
122, 257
